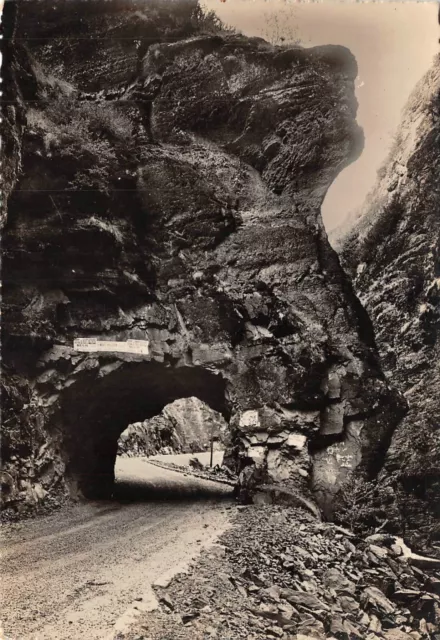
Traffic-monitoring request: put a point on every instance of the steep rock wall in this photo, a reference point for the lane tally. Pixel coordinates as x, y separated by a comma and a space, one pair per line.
393, 254
184, 426
170, 190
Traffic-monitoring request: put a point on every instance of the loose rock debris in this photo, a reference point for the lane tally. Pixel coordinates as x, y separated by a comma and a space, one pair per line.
279, 573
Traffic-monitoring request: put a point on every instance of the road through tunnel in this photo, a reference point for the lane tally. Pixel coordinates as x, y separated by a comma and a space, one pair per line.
97, 408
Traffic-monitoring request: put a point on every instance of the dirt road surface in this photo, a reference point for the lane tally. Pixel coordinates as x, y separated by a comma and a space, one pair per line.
71, 575
183, 459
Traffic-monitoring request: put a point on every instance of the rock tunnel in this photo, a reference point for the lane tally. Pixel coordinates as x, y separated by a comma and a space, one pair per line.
96, 410
206, 239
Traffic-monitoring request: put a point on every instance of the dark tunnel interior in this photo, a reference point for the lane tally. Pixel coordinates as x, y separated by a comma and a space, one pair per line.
96, 409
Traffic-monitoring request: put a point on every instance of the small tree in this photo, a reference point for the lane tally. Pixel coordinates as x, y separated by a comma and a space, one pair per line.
367, 506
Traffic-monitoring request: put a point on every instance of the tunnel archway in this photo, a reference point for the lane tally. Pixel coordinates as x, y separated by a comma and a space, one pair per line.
98, 407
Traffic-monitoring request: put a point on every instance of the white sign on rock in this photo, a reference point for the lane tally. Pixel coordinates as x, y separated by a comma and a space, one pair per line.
249, 418
91, 345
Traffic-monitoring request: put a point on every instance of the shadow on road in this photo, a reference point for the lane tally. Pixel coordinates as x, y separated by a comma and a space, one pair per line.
138, 481
141, 491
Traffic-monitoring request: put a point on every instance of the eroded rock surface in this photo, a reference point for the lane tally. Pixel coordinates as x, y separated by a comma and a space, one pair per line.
393, 254
171, 178
184, 426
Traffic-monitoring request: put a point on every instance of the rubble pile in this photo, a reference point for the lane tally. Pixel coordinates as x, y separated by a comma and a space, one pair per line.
280, 573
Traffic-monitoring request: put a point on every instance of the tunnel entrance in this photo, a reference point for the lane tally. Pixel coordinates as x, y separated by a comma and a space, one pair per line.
99, 406
169, 456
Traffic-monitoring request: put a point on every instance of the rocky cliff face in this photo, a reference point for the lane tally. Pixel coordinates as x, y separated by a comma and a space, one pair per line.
393, 254
171, 177
184, 426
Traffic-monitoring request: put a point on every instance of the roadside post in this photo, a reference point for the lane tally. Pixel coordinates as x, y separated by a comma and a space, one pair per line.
212, 450
213, 439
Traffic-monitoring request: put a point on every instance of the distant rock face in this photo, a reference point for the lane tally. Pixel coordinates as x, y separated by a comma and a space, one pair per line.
169, 190
184, 426
148, 438
393, 254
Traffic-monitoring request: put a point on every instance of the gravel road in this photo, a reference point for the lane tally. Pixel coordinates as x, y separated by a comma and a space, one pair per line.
72, 574
184, 458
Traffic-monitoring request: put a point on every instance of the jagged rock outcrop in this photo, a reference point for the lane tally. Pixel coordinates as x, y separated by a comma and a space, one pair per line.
170, 189
184, 426
393, 254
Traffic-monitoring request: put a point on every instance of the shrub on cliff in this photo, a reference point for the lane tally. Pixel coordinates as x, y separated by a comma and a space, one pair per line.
396, 505
89, 139
367, 506
205, 21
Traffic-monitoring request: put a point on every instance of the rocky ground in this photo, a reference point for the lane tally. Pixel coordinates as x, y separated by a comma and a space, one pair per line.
281, 573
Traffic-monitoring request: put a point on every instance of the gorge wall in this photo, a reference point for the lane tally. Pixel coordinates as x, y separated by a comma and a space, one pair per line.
393, 253
184, 426
165, 184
